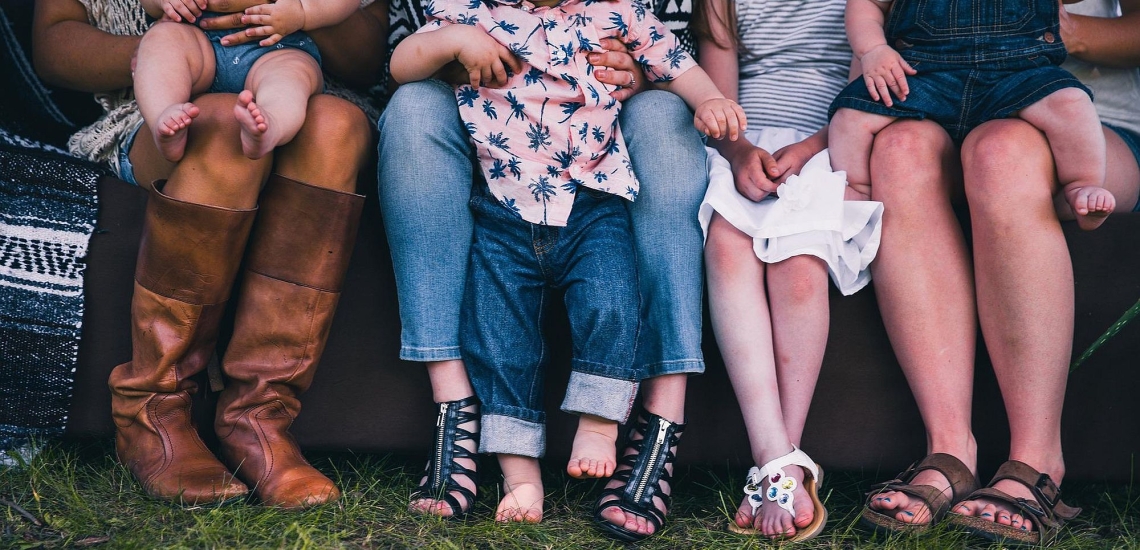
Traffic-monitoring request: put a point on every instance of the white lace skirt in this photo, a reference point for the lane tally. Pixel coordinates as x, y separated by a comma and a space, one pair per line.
807, 215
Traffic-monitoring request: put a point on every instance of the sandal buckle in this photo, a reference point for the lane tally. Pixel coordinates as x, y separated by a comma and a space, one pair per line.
1046, 491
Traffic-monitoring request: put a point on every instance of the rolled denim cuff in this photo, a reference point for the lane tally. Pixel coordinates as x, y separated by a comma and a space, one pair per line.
609, 398
510, 435
678, 366
424, 355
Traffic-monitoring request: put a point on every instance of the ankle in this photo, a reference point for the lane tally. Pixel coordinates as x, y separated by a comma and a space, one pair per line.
449, 381
590, 424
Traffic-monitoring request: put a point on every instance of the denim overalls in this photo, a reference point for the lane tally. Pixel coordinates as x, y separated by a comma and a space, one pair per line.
232, 63
977, 60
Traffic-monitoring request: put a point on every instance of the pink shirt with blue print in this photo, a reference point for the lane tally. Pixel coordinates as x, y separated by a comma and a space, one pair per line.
554, 127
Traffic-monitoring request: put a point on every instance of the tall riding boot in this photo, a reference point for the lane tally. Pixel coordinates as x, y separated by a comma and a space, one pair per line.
298, 254
187, 262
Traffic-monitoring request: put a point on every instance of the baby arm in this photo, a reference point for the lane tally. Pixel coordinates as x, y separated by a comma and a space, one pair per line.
884, 70
716, 116
423, 54
279, 19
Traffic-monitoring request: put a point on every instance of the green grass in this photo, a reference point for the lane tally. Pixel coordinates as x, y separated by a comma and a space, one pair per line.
82, 498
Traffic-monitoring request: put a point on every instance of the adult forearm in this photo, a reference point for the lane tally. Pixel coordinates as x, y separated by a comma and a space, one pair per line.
1111, 42
76, 55
326, 13
359, 59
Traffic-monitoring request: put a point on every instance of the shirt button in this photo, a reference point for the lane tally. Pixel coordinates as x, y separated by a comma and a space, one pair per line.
1050, 37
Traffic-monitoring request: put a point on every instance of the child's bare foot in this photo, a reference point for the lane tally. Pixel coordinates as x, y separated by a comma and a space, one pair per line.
522, 502
773, 521
171, 127
258, 137
595, 448
1091, 205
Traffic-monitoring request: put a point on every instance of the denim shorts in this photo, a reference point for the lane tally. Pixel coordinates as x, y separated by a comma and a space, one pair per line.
232, 63
960, 99
126, 169
1132, 139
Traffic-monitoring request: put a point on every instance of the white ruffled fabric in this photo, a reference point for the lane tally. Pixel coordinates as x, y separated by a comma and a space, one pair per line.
806, 216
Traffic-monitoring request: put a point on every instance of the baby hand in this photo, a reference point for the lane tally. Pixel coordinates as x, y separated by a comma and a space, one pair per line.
274, 21
754, 170
884, 72
484, 58
179, 10
720, 117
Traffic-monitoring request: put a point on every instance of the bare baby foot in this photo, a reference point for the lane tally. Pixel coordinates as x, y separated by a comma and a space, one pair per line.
595, 448
522, 503
257, 140
1091, 205
171, 128
771, 520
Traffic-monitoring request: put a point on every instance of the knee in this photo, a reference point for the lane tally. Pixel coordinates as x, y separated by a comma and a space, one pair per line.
1006, 163
419, 110
659, 114
165, 34
912, 164
726, 246
801, 279
339, 128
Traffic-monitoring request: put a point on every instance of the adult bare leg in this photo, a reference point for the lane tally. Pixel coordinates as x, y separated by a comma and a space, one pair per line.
924, 283
1025, 294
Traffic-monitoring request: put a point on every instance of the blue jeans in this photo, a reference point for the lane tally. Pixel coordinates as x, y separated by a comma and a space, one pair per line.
424, 202
517, 268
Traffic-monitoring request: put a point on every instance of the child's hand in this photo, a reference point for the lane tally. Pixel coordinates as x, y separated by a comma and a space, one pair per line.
790, 159
753, 169
182, 10
484, 58
274, 21
884, 72
719, 118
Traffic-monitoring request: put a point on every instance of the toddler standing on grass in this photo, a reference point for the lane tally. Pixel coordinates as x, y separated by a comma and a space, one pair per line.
275, 76
550, 214
962, 63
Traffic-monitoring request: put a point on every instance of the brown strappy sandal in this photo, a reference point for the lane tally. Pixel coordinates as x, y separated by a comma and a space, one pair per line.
1045, 509
962, 483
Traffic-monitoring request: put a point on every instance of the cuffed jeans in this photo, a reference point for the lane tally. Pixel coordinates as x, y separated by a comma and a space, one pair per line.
426, 179
517, 268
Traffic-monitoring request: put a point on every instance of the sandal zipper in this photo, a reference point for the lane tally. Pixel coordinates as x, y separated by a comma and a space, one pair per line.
440, 425
658, 440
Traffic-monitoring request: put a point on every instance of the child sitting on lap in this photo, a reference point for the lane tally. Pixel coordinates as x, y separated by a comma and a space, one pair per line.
961, 65
275, 77
549, 215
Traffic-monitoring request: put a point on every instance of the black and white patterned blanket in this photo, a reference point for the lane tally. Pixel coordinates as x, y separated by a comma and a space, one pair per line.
47, 214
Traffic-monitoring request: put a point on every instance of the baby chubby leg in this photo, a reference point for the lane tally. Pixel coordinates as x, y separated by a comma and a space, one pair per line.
175, 61
522, 490
1069, 121
849, 139
272, 107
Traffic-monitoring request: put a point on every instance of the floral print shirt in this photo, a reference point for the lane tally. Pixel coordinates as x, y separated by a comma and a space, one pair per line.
554, 127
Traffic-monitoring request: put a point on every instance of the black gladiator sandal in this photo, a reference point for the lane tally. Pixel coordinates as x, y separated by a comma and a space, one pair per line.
643, 466
438, 482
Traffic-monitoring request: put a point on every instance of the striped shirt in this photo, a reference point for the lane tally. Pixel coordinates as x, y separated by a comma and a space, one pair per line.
795, 61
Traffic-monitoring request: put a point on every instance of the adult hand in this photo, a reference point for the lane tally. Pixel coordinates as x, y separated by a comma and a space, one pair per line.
235, 12
753, 169
616, 67
1067, 28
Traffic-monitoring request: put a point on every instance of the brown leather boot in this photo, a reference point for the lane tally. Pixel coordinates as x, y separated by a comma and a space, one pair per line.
298, 254
187, 261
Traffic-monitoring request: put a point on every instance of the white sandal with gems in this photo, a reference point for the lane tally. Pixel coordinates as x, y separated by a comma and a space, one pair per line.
780, 488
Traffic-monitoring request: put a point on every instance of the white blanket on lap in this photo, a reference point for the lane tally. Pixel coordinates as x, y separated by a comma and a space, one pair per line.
806, 216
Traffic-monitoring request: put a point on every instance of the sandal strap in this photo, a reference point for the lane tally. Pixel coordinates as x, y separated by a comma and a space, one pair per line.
644, 471
445, 454
962, 483
1046, 504
795, 458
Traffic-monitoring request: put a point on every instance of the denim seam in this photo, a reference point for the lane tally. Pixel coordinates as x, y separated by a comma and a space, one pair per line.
673, 366
424, 354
